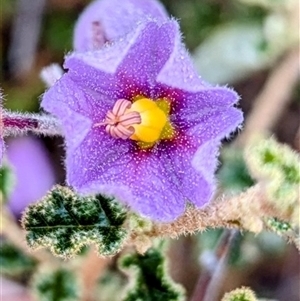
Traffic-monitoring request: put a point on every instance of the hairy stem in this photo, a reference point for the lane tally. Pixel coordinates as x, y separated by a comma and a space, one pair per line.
244, 211
14, 123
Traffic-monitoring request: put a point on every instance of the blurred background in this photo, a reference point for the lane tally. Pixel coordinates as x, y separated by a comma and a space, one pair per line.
251, 45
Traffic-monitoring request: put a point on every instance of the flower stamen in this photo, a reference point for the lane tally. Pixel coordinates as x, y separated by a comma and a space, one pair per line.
143, 120
119, 122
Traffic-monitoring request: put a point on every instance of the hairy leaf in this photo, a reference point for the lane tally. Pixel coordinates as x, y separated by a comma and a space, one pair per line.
277, 166
65, 222
284, 230
13, 261
151, 281
56, 285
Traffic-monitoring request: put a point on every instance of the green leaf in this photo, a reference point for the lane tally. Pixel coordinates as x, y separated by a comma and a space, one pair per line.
151, 281
12, 261
277, 166
66, 222
284, 229
56, 285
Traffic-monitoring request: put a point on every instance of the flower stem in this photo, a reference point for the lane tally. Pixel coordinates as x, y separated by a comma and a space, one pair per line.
14, 123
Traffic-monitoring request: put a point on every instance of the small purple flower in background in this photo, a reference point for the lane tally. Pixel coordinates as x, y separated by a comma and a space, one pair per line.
33, 172
108, 20
140, 124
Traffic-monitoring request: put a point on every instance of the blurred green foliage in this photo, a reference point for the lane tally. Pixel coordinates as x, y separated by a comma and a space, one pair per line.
14, 262
58, 31
7, 182
56, 285
233, 174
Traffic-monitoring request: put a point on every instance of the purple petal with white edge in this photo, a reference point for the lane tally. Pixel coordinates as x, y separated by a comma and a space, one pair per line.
142, 67
135, 59
108, 20
215, 125
71, 105
205, 159
105, 153
144, 183
179, 71
157, 186
191, 106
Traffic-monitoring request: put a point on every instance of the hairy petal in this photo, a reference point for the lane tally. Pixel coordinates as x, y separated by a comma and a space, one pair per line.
71, 105
216, 125
106, 160
192, 105
131, 64
179, 71
149, 54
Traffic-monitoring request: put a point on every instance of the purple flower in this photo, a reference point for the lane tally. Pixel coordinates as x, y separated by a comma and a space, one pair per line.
140, 124
33, 172
107, 20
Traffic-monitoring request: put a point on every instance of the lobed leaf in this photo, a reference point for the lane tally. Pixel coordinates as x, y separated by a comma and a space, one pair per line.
150, 280
277, 167
66, 222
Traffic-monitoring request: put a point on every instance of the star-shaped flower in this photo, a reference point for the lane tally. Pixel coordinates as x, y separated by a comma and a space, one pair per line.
140, 124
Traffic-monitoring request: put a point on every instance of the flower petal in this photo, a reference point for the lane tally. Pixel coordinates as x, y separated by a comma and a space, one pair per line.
156, 183
115, 19
214, 125
130, 64
100, 157
198, 103
73, 108
179, 71
142, 183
